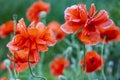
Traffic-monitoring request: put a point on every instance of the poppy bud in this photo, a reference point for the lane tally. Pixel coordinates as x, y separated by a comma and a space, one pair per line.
61, 77
7, 62
42, 15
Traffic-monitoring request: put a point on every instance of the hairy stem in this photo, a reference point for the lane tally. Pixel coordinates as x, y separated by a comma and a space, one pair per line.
84, 63
102, 52
33, 75
15, 23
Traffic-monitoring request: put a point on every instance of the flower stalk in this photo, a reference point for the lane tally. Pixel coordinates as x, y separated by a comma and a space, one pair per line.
15, 22
84, 48
102, 52
15, 25
33, 75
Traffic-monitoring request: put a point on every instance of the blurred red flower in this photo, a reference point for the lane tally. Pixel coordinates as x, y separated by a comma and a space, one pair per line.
34, 11
29, 41
6, 29
86, 23
94, 62
57, 65
3, 78
55, 26
2, 66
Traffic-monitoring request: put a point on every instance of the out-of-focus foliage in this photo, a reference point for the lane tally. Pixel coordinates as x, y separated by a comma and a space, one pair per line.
19, 7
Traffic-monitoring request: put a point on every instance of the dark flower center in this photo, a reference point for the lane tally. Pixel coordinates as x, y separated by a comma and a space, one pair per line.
92, 61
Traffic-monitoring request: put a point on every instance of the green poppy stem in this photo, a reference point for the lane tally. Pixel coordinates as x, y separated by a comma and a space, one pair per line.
41, 64
10, 73
15, 23
84, 62
102, 52
33, 75
15, 73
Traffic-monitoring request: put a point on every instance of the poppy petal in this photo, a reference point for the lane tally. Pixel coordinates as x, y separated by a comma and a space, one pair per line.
101, 17
105, 25
42, 48
89, 37
82, 13
72, 14
71, 27
92, 10
21, 27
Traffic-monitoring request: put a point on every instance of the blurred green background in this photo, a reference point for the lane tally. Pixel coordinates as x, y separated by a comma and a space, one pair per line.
19, 7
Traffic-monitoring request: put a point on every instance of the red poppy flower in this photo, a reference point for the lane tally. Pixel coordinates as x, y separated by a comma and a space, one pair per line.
34, 37
58, 64
94, 62
3, 78
35, 9
6, 29
55, 26
86, 23
29, 41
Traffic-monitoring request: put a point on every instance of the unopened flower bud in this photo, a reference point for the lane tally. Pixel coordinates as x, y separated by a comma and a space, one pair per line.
7, 62
111, 63
42, 15
110, 66
14, 16
61, 77
69, 50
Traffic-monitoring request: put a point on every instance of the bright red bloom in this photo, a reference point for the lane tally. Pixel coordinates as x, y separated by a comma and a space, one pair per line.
58, 64
94, 62
86, 23
55, 26
6, 29
29, 41
3, 78
35, 9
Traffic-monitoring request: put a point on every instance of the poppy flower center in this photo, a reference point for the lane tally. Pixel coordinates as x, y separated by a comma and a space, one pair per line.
92, 61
